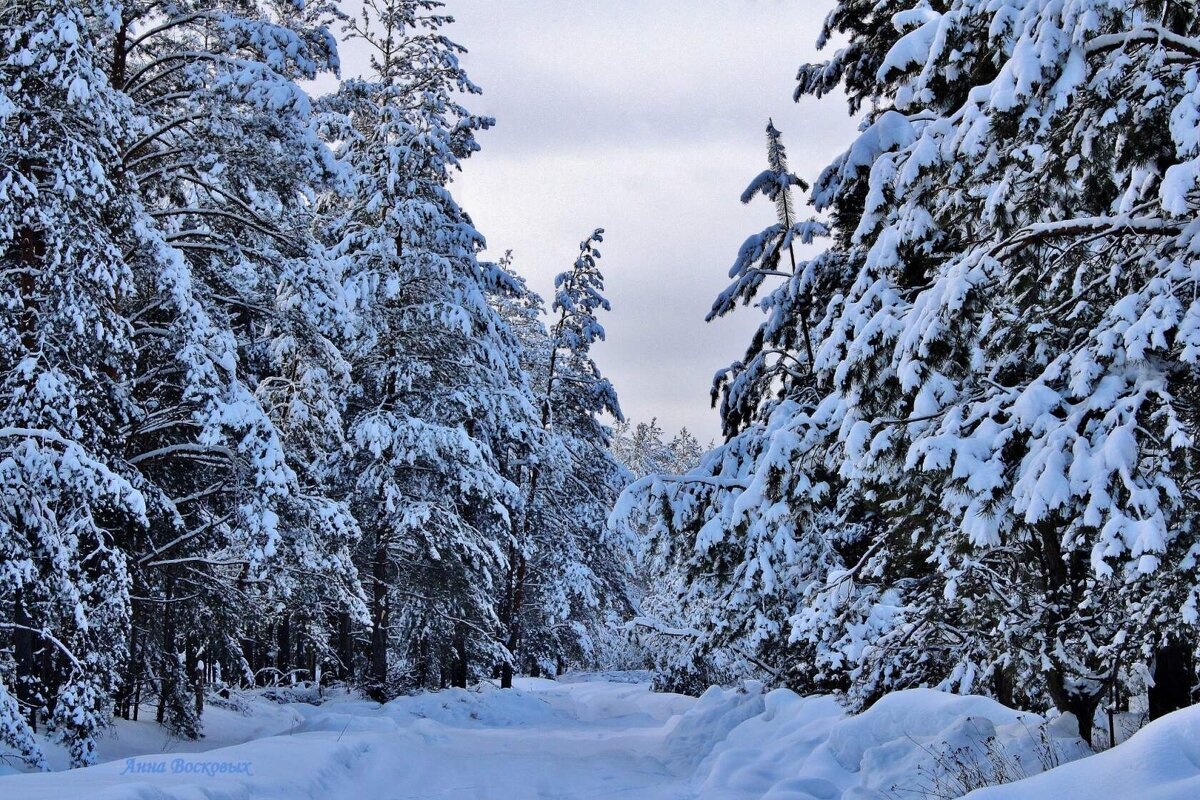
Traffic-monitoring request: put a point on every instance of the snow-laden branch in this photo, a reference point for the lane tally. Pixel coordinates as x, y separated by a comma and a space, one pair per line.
662, 627
705, 480
159, 132
182, 539
1107, 226
1147, 34
35, 433
212, 562
174, 22
691, 633
183, 448
48, 637
185, 56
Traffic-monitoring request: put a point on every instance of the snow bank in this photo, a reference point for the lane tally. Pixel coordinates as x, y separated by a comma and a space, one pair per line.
593, 737
223, 727
711, 721
1159, 762
785, 747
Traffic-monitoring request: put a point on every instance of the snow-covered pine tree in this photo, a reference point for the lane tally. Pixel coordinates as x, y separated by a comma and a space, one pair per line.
568, 584
1003, 365
769, 255
578, 296
1019, 339
439, 398
228, 163
641, 449
68, 503
737, 541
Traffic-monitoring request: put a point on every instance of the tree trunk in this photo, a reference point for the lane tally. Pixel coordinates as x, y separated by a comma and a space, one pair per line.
26, 661
137, 691
120, 57
1174, 678
345, 644
518, 592
379, 625
514, 626
1071, 701
461, 669
1002, 686
1062, 592
166, 686
195, 671
283, 646
129, 680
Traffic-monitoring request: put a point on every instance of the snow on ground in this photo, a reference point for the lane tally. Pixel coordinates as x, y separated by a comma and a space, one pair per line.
223, 726
609, 736
1159, 762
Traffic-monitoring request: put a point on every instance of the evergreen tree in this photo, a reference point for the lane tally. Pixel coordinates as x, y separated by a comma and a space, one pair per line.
68, 498
1030, 357
737, 540
228, 164
643, 450
991, 462
438, 398
568, 582
240, 369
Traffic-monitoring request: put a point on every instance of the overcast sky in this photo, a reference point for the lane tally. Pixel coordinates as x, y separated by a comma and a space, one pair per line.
646, 118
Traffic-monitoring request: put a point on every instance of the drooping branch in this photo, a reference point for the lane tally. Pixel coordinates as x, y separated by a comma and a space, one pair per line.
1147, 34
48, 637
1106, 226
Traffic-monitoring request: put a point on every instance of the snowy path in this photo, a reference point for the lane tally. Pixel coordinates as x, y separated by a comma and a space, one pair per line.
593, 739
600, 738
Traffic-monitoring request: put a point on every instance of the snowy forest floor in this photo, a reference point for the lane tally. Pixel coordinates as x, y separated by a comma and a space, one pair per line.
609, 736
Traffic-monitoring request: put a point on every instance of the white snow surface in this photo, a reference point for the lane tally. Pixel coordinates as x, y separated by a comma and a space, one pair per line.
609, 736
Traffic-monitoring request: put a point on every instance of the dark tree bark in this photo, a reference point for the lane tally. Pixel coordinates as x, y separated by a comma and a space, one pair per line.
283, 646
195, 673
1062, 587
120, 59
460, 670
1069, 700
26, 660
167, 686
345, 647
1174, 678
377, 688
1002, 686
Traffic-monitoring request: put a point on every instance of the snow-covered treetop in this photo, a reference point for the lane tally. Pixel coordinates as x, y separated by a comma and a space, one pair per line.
578, 296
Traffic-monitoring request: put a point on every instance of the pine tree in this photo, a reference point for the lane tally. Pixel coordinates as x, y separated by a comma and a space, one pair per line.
568, 581
438, 398
641, 448
770, 254
228, 164
1036, 334
67, 354
993, 454
737, 540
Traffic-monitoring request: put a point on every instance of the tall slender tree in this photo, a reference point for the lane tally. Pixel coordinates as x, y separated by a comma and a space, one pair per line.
228, 164
439, 396
568, 580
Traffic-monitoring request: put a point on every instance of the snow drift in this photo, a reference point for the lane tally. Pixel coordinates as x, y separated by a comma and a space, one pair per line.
599, 736
1160, 762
